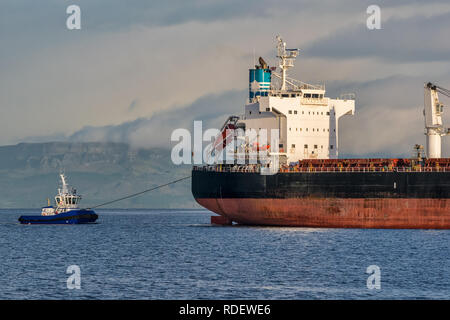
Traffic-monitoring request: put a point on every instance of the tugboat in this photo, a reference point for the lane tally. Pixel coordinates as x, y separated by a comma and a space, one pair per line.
66, 210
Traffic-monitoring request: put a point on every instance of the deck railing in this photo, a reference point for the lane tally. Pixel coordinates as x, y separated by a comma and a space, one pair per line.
256, 169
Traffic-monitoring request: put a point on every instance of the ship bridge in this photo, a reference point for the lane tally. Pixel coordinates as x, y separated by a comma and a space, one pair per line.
307, 120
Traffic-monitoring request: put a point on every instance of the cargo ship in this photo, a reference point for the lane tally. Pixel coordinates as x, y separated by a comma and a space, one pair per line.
298, 178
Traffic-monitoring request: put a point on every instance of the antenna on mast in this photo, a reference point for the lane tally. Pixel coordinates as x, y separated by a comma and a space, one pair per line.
65, 188
287, 57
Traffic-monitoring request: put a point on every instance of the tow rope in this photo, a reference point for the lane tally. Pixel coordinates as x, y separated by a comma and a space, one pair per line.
139, 193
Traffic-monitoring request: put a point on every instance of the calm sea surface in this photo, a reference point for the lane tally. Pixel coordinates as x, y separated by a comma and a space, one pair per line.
177, 254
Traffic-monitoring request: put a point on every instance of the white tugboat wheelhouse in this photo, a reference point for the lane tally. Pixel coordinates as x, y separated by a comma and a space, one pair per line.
67, 199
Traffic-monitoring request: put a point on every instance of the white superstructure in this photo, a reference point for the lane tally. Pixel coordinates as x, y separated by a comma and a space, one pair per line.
67, 199
307, 120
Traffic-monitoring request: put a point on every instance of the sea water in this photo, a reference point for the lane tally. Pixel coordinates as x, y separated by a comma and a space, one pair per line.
177, 254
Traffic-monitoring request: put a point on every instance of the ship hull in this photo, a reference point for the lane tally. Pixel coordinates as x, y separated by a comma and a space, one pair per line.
335, 213
400, 200
71, 217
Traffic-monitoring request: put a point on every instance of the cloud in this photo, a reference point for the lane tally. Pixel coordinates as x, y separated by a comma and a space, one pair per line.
156, 130
88, 78
139, 68
383, 124
388, 119
414, 39
133, 105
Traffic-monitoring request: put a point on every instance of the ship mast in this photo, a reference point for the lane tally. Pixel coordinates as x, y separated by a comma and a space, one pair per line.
287, 57
65, 189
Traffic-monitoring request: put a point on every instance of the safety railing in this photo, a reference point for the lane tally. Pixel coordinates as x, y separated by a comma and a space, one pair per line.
256, 169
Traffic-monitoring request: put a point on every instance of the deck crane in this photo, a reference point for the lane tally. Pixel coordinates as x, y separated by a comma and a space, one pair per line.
433, 119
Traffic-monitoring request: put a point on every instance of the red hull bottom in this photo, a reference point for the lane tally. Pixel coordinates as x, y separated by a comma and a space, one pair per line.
335, 213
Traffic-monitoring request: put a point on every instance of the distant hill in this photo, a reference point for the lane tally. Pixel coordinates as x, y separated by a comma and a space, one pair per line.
99, 171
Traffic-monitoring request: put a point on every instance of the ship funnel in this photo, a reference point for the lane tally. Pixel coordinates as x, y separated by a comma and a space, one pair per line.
259, 80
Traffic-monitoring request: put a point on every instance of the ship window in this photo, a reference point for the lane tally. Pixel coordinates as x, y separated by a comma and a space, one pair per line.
293, 146
300, 129
309, 112
290, 111
289, 129
306, 129
285, 95
313, 129
295, 111
267, 109
328, 130
303, 112
280, 145
331, 147
306, 146
307, 95
328, 113
249, 112
321, 147
315, 146
315, 96
321, 113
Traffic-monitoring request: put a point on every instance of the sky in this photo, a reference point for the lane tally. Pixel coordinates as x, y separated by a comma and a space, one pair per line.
139, 69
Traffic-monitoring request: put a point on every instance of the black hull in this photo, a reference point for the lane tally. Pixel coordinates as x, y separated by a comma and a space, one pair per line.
400, 200
425, 185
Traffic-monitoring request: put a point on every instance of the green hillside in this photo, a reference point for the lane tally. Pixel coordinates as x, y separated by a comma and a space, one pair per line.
99, 171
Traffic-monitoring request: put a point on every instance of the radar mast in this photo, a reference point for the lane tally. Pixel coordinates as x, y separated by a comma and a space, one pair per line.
287, 57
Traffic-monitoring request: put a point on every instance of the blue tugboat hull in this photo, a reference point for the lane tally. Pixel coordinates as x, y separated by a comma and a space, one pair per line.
71, 217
